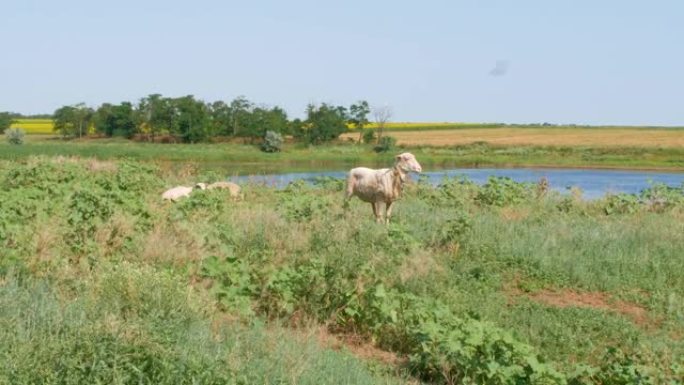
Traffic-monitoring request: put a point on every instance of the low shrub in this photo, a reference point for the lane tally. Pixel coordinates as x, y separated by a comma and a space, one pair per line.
368, 136
15, 136
502, 191
273, 142
455, 229
386, 143
298, 206
661, 197
621, 204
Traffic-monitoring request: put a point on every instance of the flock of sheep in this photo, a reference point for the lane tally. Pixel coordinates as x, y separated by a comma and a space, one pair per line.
178, 192
370, 185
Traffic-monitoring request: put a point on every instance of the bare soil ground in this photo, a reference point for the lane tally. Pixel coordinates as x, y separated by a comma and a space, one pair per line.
594, 300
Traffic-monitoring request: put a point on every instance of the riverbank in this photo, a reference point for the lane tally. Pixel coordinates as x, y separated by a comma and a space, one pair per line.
243, 158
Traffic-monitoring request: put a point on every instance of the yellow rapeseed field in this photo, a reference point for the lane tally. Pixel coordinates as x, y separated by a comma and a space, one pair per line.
34, 126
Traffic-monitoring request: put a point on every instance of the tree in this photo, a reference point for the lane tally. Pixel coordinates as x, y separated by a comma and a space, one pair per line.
276, 120
220, 118
155, 114
103, 120
6, 121
323, 123
382, 115
296, 128
358, 116
64, 120
255, 122
191, 119
239, 111
113, 120
73, 120
83, 116
263, 119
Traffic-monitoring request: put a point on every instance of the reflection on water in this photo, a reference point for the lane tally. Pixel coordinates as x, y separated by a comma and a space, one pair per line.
594, 182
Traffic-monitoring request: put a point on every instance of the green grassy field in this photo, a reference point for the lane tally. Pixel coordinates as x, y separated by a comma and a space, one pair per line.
101, 281
241, 159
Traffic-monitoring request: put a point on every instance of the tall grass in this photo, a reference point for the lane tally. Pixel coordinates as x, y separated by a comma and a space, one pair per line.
136, 325
455, 284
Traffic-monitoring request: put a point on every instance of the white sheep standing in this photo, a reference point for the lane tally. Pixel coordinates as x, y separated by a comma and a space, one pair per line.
233, 188
175, 193
383, 185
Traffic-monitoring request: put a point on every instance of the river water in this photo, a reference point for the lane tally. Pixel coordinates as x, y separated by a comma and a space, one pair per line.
594, 183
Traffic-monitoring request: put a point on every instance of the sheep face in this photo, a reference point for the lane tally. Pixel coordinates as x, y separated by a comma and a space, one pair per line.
408, 162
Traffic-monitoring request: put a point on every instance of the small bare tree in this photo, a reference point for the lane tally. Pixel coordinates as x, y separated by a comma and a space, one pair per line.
381, 115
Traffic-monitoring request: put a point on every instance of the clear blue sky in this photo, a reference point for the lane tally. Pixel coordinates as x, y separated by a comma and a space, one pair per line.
561, 61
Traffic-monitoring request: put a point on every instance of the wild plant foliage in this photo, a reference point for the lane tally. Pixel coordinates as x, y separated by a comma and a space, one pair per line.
15, 136
273, 142
455, 286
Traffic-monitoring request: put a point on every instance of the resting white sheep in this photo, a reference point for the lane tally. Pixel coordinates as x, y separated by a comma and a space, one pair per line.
383, 185
233, 188
174, 194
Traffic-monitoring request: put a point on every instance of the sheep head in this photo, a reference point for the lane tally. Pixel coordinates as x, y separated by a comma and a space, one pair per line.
407, 162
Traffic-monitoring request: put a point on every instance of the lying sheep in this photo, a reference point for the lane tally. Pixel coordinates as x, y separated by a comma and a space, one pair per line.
383, 185
233, 188
174, 194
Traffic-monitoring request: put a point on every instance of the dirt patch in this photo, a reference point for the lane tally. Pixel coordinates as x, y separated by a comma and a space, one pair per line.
563, 298
357, 346
593, 300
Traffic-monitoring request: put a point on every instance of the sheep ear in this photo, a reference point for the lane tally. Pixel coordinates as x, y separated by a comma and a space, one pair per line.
398, 157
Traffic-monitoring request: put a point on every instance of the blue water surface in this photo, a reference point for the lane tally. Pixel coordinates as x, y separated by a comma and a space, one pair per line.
594, 183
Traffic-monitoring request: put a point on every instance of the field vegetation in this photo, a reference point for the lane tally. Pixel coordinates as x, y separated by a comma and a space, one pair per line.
246, 158
504, 283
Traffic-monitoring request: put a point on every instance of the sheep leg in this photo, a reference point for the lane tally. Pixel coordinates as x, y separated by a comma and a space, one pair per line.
345, 202
376, 211
388, 211
348, 193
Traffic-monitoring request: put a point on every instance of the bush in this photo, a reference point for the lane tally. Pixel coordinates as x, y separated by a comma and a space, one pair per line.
455, 228
621, 204
452, 192
15, 136
368, 136
273, 142
385, 144
473, 352
303, 208
660, 196
503, 191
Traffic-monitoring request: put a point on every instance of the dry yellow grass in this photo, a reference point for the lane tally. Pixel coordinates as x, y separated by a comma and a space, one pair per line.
590, 137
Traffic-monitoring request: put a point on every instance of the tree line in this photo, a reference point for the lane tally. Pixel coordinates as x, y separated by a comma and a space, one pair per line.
192, 120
